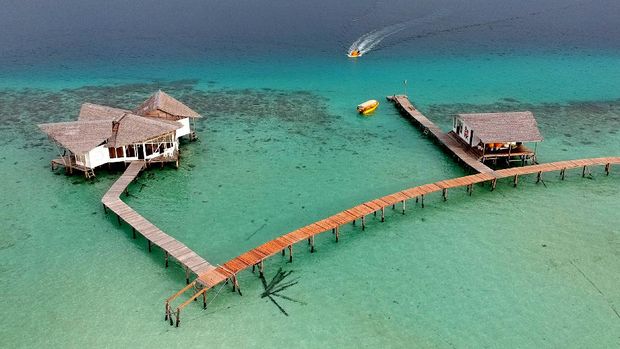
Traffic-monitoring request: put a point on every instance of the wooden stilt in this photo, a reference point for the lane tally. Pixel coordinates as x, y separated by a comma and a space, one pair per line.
166, 258
237, 284
337, 233
422, 200
444, 193
539, 177
404, 205
204, 299
516, 180
133, 233
563, 173
363, 222
382, 214
149, 243
290, 253
283, 252
178, 317
186, 275
416, 199
312, 244
394, 207
493, 184
583, 172
607, 168
261, 268
253, 268
353, 222
118, 218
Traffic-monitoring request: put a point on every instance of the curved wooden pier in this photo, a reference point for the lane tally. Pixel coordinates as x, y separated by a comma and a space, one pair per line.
256, 257
190, 260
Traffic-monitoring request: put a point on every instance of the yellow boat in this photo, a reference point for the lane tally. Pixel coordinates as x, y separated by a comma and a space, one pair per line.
368, 107
354, 53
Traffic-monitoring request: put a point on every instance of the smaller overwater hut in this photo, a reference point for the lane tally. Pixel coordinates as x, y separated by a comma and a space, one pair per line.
105, 135
494, 136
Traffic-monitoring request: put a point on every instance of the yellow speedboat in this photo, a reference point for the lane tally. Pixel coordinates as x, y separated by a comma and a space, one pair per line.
368, 107
354, 53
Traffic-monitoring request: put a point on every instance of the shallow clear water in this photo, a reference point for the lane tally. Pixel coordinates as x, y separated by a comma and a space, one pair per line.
281, 146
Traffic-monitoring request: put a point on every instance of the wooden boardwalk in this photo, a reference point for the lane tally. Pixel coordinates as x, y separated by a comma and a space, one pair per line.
448, 140
191, 261
255, 257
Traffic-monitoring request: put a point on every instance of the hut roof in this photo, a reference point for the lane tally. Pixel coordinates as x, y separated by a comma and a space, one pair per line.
164, 102
81, 136
95, 112
503, 127
134, 128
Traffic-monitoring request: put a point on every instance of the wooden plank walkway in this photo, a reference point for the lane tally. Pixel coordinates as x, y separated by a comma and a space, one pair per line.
255, 257
190, 260
446, 139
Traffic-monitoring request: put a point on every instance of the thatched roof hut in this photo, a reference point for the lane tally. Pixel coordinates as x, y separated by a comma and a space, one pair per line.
503, 127
160, 104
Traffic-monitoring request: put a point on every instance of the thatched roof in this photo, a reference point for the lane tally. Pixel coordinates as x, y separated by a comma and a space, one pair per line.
164, 102
82, 136
134, 129
79, 136
503, 127
95, 112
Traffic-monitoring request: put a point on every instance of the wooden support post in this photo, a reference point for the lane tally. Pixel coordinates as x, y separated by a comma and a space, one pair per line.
422, 199
353, 222
290, 253
283, 252
167, 311
516, 180
204, 299
394, 207
493, 184
404, 205
261, 268
312, 244
178, 317
186, 275
337, 233
563, 173
133, 233
363, 222
253, 268
607, 168
149, 243
375, 213
583, 172
539, 177
166, 258
382, 214
444, 193
118, 218
416, 199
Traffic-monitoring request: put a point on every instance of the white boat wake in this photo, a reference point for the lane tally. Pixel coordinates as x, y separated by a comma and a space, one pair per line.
370, 40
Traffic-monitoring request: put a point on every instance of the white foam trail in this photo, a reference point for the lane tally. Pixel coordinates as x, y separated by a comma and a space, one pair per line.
370, 40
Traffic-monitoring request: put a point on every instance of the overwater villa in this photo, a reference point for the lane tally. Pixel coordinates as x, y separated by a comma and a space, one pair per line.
105, 135
491, 136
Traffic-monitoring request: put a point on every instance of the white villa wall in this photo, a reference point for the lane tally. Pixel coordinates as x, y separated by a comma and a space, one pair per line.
185, 130
461, 132
97, 157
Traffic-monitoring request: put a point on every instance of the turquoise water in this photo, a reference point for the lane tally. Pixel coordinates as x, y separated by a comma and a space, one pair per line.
280, 147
